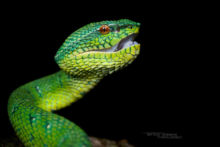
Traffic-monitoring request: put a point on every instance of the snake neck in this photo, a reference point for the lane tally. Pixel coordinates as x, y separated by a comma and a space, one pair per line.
64, 90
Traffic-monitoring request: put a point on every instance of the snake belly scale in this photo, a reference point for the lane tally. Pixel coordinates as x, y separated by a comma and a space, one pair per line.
86, 56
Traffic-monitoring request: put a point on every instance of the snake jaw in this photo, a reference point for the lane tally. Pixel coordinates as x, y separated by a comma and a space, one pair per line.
127, 42
123, 44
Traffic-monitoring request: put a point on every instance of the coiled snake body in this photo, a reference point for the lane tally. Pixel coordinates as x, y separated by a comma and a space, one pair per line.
86, 56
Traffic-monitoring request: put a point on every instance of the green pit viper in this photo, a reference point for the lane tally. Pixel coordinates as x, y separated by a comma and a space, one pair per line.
86, 56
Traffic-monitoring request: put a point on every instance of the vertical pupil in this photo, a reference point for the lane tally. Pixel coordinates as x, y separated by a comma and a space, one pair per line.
104, 29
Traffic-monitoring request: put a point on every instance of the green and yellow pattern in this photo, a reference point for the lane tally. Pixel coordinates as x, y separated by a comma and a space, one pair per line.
83, 62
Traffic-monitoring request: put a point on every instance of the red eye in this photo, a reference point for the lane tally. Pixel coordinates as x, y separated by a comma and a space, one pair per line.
104, 29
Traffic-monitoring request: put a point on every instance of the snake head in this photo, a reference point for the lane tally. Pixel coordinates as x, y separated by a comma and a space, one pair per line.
99, 48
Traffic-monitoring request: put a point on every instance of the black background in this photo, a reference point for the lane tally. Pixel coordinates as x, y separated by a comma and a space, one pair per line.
147, 96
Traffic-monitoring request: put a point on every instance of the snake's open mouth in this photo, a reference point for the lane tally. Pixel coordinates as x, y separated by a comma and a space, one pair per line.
124, 43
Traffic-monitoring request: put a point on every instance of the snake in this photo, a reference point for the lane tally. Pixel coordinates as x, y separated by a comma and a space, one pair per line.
86, 56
